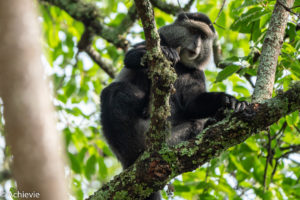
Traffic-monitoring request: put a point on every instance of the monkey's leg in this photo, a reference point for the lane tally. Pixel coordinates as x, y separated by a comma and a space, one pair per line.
122, 116
122, 106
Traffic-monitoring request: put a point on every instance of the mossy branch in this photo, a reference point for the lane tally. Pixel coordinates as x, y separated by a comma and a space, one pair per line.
89, 15
171, 8
163, 165
162, 77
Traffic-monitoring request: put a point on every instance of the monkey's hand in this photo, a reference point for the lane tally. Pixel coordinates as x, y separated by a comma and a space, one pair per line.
230, 102
171, 54
243, 109
133, 58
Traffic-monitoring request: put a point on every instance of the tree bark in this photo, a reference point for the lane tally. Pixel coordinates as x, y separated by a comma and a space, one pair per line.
165, 163
162, 78
270, 52
30, 127
132, 184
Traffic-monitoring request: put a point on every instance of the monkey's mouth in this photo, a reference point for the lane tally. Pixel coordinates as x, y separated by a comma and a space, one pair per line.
191, 54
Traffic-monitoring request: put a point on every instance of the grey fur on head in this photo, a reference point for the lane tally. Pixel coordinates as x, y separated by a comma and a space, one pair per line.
192, 35
175, 33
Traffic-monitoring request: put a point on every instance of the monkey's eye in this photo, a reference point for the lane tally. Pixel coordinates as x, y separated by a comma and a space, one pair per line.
203, 36
195, 31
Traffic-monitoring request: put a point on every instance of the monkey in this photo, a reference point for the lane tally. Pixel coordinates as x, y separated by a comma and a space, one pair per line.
187, 44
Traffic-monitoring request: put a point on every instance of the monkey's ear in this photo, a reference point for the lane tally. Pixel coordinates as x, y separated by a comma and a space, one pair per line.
178, 49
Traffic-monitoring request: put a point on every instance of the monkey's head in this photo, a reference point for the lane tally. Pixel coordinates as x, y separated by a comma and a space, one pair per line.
192, 34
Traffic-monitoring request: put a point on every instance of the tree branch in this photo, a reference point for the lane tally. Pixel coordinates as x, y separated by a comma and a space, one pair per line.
107, 67
88, 14
189, 155
171, 8
128, 21
162, 78
167, 162
270, 52
85, 44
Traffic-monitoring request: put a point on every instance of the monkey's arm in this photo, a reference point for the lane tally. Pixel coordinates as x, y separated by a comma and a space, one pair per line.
207, 104
133, 58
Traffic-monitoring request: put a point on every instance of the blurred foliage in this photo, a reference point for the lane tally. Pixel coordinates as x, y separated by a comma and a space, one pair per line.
266, 166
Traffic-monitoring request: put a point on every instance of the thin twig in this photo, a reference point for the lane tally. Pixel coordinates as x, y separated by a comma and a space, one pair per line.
85, 44
288, 9
294, 149
219, 26
248, 78
269, 156
298, 129
220, 11
188, 5
290, 147
274, 170
283, 127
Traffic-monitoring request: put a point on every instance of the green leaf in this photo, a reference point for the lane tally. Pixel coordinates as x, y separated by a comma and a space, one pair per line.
13, 191
118, 19
248, 3
102, 168
238, 165
291, 31
264, 195
76, 186
225, 73
258, 172
244, 23
264, 20
75, 164
70, 88
206, 196
293, 118
256, 32
90, 167
182, 188
67, 135
81, 154
241, 89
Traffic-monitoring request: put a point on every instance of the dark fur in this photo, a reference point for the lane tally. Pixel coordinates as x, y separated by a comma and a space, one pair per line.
125, 102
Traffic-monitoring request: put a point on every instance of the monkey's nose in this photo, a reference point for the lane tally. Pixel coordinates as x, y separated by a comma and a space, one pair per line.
192, 52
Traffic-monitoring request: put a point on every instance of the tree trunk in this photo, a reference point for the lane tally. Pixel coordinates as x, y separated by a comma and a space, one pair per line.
30, 126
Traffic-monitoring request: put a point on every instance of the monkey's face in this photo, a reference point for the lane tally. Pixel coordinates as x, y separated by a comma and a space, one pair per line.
192, 34
191, 49
195, 50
